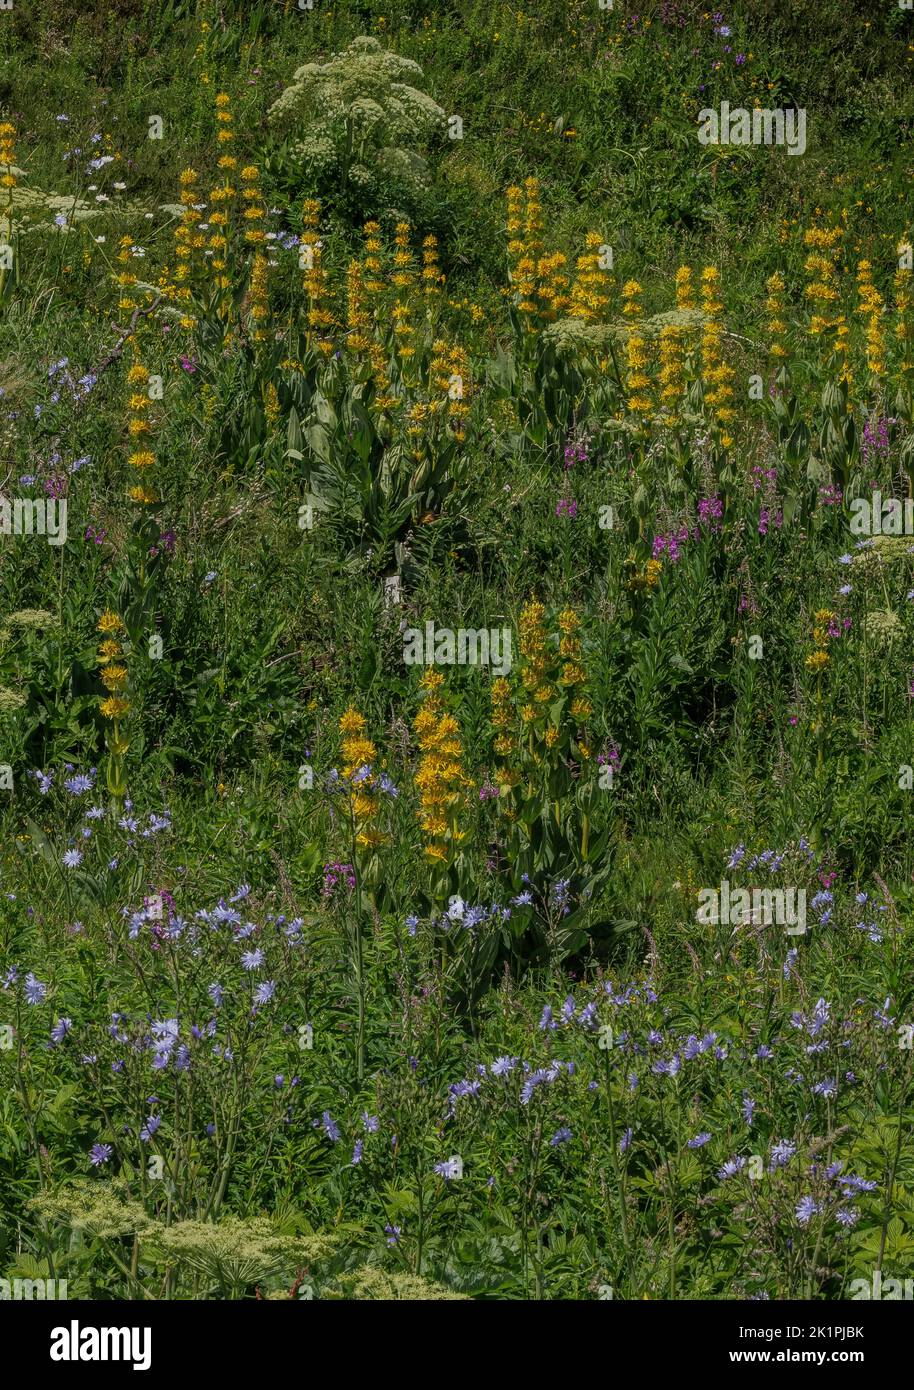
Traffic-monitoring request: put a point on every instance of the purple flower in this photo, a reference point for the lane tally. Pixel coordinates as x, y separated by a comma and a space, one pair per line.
264, 993
99, 1154
561, 1136
449, 1168
60, 1030
150, 1127
252, 960
357, 1153
699, 1140
806, 1210
329, 1127
854, 1184
79, 784
35, 991
536, 1078
781, 1154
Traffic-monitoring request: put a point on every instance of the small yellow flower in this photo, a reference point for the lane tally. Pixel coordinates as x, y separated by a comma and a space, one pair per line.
115, 707
114, 677
110, 622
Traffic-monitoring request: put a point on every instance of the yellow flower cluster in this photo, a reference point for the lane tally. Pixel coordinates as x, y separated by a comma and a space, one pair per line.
125, 279
774, 307
631, 301
648, 578
113, 673
358, 320
403, 330
404, 274
671, 374
224, 133
254, 209
374, 266
543, 676
573, 672
360, 755
7, 156
450, 374
717, 374
432, 276
258, 297
639, 382
818, 659
904, 305
539, 280
139, 427
822, 290
685, 289
315, 278
870, 308
222, 200
440, 778
589, 297
535, 660
502, 717
188, 239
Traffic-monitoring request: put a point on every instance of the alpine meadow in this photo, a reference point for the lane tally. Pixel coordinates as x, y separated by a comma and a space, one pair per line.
456, 652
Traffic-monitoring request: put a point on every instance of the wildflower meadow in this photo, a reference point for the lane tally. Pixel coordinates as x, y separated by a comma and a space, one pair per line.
457, 653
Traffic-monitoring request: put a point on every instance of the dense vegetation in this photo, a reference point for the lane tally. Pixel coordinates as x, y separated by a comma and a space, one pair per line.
327, 336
